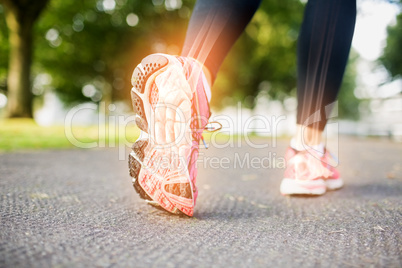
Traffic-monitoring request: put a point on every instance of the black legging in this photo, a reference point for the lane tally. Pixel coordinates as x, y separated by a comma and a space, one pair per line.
323, 47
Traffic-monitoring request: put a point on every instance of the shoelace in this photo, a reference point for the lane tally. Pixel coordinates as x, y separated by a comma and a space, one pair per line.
186, 64
208, 129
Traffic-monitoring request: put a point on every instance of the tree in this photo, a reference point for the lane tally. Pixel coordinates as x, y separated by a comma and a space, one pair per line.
267, 53
96, 44
271, 66
89, 45
4, 51
20, 18
90, 48
392, 56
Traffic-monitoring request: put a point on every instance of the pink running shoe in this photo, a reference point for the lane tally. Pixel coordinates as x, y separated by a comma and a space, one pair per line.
334, 181
308, 173
172, 111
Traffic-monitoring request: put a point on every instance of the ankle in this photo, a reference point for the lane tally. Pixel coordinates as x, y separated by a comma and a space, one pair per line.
306, 137
208, 75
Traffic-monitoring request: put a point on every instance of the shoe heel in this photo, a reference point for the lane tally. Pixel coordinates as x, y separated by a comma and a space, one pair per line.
145, 69
141, 74
135, 166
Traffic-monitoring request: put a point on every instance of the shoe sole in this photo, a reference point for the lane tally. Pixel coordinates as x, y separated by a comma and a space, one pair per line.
334, 184
161, 99
294, 187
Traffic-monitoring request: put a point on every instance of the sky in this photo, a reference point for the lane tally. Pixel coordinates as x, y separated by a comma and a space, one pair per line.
369, 39
371, 24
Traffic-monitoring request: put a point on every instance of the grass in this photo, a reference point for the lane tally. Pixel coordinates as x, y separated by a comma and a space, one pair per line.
25, 134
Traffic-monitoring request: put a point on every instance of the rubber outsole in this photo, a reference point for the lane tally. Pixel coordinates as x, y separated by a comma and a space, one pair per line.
134, 167
334, 184
293, 187
150, 94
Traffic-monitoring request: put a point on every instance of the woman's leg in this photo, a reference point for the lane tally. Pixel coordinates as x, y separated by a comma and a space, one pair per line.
323, 50
213, 29
171, 99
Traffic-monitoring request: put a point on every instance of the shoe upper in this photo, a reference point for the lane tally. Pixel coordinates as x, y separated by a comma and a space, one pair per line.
200, 113
329, 161
307, 165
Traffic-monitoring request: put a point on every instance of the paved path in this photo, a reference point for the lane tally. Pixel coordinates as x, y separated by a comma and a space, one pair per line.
76, 208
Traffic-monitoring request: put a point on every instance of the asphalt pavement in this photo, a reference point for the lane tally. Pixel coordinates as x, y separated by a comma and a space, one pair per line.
77, 208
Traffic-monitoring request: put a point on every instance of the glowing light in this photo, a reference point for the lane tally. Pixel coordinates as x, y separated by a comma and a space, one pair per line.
52, 34
173, 4
132, 19
89, 91
108, 5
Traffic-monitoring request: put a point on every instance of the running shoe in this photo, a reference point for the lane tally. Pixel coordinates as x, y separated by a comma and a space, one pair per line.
172, 110
309, 173
334, 181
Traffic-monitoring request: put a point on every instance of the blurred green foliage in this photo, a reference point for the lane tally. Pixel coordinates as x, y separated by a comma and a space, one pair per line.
4, 50
264, 57
89, 42
392, 55
99, 42
348, 104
